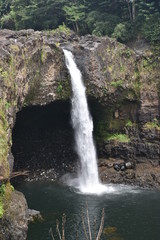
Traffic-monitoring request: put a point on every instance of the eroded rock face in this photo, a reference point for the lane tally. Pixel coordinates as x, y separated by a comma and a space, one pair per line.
33, 72
14, 224
125, 83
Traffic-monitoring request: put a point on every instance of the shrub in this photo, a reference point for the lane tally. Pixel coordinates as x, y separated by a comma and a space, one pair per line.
7, 21
61, 29
120, 32
129, 123
118, 138
151, 30
101, 24
151, 125
117, 84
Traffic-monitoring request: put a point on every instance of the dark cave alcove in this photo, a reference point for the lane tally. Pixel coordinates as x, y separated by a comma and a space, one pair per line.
43, 138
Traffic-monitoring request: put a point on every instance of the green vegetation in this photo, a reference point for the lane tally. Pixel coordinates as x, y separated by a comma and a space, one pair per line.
151, 125
34, 86
110, 129
2, 194
63, 28
117, 83
59, 88
8, 74
60, 29
120, 32
128, 53
74, 13
108, 125
118, 138
7, 105
43, 55
129, 123
1, 209
5, 194
122, 19
3, 134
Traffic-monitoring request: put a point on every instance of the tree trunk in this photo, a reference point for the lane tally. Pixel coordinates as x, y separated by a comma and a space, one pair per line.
77, 27
129, 10
74, 27
133, 10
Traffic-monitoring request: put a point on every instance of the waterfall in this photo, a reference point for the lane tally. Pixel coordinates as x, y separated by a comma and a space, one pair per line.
88, 180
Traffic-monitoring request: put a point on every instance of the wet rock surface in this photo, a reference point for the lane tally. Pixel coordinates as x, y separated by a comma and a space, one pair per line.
34, 215
140, 174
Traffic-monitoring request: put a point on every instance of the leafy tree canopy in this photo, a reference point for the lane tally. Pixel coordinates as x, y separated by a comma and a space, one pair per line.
122, 19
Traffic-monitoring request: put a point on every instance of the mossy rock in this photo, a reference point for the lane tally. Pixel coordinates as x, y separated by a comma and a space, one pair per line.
4, 168
5, 195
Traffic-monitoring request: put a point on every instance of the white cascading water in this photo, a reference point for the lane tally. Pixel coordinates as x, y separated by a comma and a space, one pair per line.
88, 180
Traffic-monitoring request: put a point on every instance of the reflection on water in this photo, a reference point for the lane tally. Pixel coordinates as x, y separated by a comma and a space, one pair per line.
130, 213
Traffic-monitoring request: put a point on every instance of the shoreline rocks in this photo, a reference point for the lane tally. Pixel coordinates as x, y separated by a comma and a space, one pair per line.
140, 174
14, 224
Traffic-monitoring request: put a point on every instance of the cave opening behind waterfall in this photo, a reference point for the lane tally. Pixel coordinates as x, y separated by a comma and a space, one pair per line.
43, 139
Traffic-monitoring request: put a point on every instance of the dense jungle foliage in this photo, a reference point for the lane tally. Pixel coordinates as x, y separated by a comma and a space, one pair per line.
122, 19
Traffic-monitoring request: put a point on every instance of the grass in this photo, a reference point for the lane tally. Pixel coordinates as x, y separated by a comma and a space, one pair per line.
59, 88
151, 125
3, 135
1, 209
118, 138
5, 194
117, 84
2, 194
43, 55
129, 123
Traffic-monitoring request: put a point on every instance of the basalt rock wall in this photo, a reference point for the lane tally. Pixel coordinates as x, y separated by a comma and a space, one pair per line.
32, 72
125, 82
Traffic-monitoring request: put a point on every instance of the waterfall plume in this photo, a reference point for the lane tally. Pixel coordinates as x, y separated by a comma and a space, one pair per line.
88, 180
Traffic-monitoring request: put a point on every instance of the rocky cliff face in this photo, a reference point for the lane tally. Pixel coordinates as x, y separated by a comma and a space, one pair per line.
14, 224
122, 81
32, 72
126, 82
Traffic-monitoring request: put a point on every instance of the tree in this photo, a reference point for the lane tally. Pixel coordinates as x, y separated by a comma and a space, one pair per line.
5, 7
147, 9
133, 10
74, 14
127, 18
38, 14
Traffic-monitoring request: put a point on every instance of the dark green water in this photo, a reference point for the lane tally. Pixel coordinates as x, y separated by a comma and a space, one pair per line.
134, 213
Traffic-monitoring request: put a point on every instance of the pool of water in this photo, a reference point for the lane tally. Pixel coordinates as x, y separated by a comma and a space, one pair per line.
130, 213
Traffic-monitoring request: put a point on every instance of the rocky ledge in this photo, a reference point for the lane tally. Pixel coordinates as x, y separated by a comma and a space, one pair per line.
118, 171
